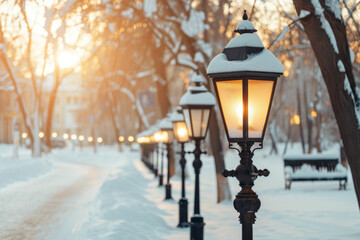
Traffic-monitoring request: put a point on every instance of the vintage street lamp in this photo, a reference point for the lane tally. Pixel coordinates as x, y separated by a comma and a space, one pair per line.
156, 140
197, 104
160, 164
143, 139
167, 138
244, 77
182, 136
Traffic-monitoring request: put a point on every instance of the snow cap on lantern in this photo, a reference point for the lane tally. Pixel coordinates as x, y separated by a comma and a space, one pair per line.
177, 116
245, 53
197, 93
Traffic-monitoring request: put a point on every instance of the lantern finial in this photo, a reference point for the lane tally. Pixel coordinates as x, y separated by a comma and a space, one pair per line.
245, 16
245, 26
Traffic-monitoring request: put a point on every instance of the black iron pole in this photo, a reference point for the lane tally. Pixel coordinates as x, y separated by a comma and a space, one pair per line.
151, 165
168, 184
183, 202
156, 168
246, 202
197, 221
161, 176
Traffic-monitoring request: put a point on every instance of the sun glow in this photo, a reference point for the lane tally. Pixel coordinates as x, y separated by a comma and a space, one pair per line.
67, 59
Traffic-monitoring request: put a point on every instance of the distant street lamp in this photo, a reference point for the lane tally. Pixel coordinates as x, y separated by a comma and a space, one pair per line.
81, 139
159, 139
156, 137
54, 134
66, 136
41, 135
197, 104
182, 136
167, 138
131, 139
244, 77
73, 137
99, 140
90, 139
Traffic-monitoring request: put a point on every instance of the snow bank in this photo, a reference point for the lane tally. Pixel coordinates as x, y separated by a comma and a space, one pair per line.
122, 210
22, 169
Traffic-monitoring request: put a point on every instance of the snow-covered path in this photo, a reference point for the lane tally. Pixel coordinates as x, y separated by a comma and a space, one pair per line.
113, 196
54, 205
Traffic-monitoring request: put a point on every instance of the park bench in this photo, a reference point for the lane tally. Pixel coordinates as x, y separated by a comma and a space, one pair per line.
314, 167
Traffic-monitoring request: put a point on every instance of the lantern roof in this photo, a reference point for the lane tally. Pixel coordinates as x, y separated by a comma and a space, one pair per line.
177, 115
197, 79
245, 53
165, 124
197, 95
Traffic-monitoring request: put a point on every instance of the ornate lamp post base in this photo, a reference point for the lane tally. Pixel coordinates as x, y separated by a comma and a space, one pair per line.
183, 213
168, 191
197, 227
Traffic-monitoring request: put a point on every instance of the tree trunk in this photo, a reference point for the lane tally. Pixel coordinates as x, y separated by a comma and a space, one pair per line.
36, 145
308, 120
113, 107
301, 122
340, 84
318, 133
317, 118
18, 92
272, 137
288, 137
223, 188
50, 114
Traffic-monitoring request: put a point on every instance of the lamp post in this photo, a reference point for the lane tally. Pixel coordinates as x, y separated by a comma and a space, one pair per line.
167, 138
182, 136
157, 141
197, 104
244, 77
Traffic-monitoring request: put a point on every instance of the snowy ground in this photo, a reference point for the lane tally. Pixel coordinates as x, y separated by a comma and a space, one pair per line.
111, 195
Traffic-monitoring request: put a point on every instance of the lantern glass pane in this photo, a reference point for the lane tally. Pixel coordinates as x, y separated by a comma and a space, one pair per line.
231, 101
200, 120
259, 98
181, 132
186, 113
205, 121
196, 117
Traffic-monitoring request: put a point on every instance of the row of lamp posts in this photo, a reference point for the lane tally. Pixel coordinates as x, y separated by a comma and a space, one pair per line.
244, 77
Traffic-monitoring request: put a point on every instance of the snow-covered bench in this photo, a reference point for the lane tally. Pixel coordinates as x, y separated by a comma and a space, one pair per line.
314, 167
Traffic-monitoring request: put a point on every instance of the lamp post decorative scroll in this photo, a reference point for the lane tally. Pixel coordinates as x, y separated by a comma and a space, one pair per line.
244, 77
197, 104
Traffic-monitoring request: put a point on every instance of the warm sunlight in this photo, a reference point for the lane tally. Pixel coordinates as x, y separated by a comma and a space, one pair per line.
67, 59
